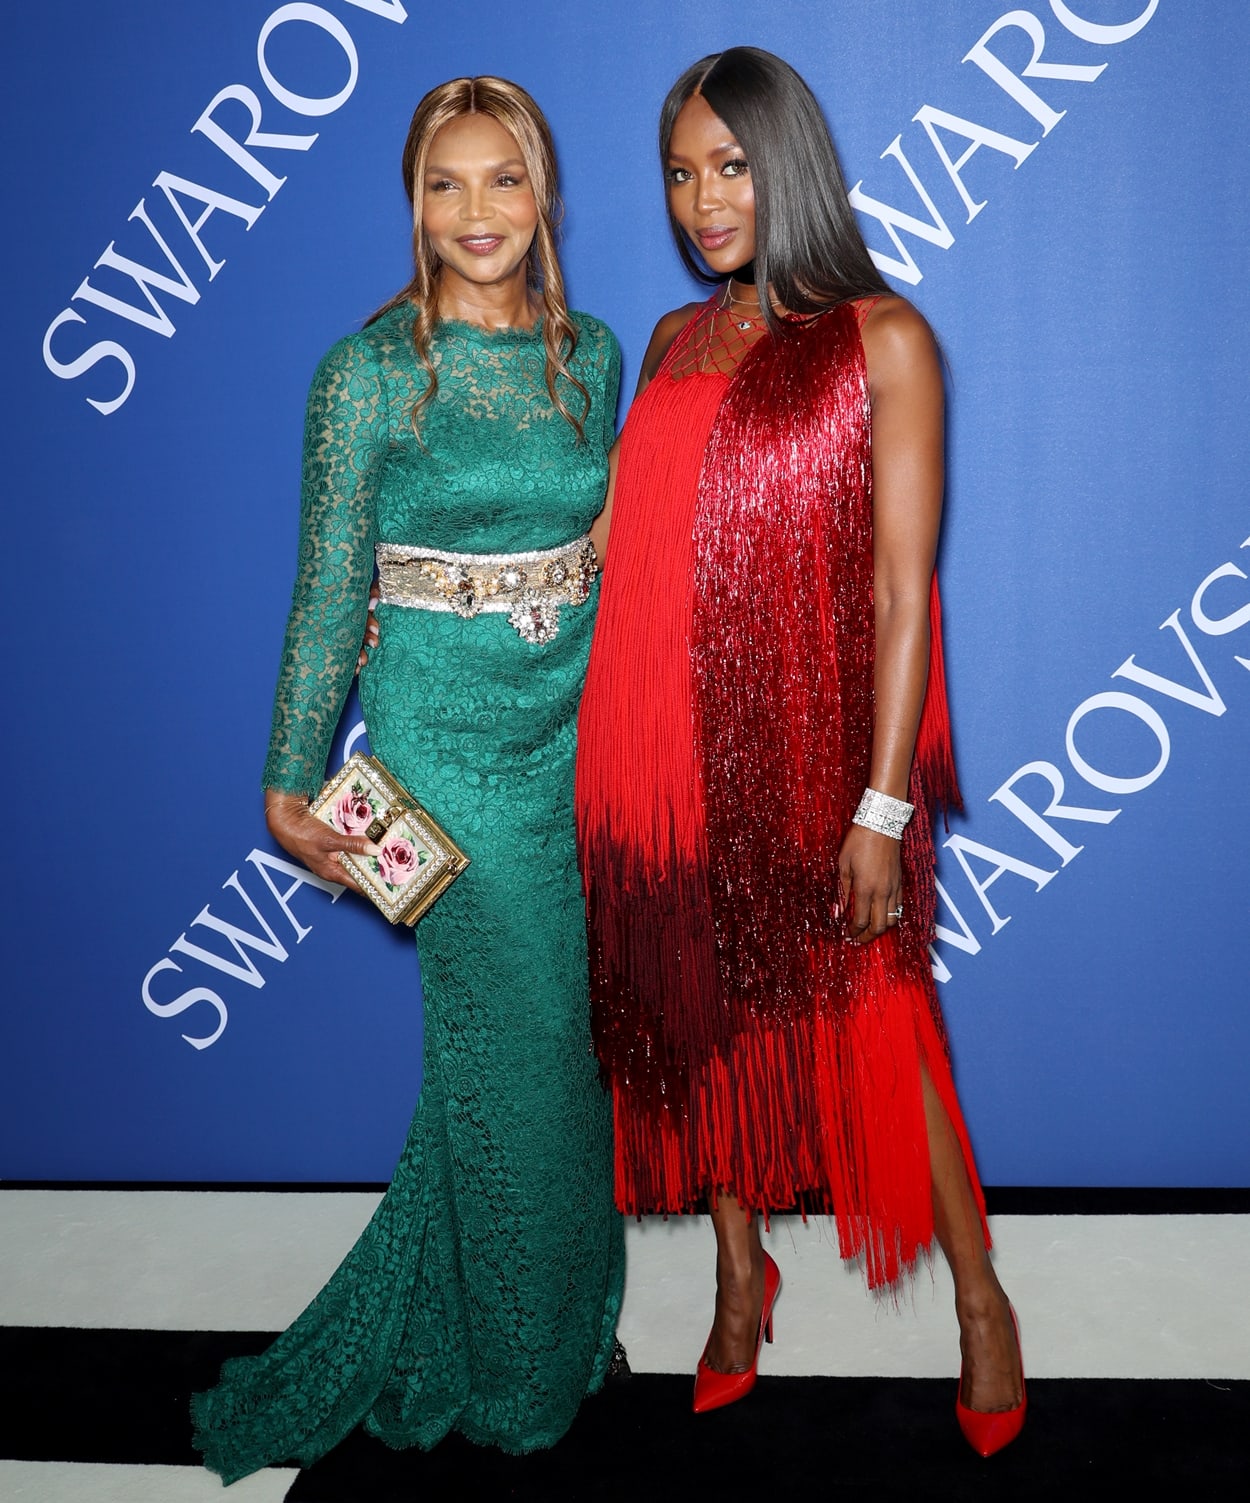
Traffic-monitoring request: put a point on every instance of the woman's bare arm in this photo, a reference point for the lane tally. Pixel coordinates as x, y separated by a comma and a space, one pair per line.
905, 385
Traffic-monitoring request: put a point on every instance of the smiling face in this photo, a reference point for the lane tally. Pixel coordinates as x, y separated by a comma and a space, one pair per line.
478, 210
709, 187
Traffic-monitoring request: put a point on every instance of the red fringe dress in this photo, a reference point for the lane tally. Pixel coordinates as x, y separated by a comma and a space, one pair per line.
724, 742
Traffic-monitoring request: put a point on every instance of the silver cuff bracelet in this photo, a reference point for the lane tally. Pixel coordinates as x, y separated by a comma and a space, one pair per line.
885, 815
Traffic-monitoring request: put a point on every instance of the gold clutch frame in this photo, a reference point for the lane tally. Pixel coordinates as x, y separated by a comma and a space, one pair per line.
419, 859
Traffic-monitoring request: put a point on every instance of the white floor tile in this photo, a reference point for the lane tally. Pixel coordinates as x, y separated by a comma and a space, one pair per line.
170, 1259
86, 1482
1098, 1296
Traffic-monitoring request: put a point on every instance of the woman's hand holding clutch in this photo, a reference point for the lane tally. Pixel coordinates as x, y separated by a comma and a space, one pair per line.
298, 831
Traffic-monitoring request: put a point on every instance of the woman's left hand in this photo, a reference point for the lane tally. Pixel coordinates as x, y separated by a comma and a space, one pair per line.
871, 871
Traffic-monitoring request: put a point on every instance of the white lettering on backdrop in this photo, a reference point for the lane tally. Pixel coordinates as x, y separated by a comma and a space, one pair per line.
243, 968
1041, 816
146, 282
939, 124
260, 938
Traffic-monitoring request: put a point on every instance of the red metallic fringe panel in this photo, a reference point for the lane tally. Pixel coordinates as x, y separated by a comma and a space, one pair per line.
723, 744
824, 1114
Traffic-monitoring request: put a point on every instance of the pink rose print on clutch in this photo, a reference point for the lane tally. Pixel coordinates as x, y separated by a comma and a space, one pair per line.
397, 862
352, 812
415, 857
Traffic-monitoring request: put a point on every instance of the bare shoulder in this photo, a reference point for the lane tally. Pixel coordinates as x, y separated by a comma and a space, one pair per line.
898, 342
662, 336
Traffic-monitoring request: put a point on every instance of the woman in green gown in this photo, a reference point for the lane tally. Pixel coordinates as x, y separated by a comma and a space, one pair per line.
463, 431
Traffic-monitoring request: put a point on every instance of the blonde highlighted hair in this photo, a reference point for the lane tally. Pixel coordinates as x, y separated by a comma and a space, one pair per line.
517, 112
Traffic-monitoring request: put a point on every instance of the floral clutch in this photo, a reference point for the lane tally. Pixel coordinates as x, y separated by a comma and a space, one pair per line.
418, 859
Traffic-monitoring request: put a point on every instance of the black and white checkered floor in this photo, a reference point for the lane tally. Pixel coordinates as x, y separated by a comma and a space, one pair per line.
118, 1286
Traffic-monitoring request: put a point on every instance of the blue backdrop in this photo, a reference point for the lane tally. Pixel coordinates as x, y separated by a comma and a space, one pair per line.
1062, 190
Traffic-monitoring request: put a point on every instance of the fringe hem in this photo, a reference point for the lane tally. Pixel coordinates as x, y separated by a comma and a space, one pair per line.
826, 1115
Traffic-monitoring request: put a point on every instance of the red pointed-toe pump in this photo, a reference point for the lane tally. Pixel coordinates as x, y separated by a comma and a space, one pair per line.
713, 1390
987, 1433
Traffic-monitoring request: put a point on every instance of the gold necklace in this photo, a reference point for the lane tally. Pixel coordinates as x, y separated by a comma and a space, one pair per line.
748, 302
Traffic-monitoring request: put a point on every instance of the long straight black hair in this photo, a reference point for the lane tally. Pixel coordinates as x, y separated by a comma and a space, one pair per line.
808, 247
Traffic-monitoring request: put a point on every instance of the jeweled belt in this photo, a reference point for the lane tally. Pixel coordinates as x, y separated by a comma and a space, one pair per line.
530, 587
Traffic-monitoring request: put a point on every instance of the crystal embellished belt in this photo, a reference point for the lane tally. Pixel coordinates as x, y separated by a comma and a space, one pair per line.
530, 587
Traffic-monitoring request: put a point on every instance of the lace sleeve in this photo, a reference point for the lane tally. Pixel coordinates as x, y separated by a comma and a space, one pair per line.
599, 359
611, 386
345, 445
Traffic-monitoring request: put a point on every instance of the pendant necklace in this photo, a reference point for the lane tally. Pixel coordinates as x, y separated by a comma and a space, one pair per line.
740, 323
743, 325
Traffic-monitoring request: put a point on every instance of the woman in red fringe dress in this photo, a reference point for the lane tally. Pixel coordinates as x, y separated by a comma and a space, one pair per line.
762, 737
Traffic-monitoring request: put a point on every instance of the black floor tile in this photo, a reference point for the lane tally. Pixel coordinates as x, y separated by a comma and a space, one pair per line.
121, 1396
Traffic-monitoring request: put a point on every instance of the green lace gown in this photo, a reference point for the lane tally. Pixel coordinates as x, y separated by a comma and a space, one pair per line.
483, 1295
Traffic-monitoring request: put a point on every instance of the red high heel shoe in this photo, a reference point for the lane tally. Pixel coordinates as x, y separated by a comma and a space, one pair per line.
987, 1433
713, 1390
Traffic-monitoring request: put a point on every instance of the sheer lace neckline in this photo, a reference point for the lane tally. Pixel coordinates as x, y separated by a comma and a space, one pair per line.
504, 334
